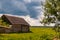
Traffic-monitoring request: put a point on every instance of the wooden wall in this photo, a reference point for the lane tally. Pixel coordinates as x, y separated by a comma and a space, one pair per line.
2, 30
20, 28
16, 28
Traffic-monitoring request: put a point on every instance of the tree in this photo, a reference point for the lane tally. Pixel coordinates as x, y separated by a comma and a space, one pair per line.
52, 12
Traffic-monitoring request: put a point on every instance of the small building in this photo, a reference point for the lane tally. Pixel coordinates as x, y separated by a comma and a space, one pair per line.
16, 24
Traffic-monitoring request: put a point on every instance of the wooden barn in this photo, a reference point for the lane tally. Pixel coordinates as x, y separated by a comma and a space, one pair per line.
16, 24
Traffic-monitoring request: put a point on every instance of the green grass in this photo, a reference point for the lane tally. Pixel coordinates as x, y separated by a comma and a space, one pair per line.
37, 34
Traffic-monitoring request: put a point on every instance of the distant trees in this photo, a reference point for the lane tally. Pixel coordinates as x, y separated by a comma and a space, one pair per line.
52, 13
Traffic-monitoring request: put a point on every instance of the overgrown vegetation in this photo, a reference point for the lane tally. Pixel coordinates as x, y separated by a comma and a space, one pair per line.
36, 34
3, 24
52, 13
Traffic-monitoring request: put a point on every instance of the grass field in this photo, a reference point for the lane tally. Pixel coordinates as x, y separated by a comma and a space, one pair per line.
36, 34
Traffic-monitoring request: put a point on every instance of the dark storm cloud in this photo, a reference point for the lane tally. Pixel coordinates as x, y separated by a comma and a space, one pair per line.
18, 7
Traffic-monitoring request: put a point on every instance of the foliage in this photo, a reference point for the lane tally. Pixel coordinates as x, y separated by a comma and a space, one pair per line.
2, 23
37, 34
52, 12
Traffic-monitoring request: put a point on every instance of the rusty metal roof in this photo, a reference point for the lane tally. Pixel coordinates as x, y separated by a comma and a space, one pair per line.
16, 20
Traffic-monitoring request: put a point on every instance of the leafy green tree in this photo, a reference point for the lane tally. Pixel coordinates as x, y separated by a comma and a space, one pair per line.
52, 12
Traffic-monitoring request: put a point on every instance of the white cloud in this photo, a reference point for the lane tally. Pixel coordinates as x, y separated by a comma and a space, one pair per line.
40, 12
27, 1
1, 15
32, 21
20, 5
40, 16
39, 9
38, 0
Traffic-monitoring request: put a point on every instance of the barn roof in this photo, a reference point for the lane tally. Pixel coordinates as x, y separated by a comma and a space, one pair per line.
16, 20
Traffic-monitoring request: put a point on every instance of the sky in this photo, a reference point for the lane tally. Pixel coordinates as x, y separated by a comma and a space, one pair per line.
30, 10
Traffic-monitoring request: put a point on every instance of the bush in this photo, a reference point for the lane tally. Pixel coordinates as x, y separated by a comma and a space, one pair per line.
46, 37
3, 23
57, 28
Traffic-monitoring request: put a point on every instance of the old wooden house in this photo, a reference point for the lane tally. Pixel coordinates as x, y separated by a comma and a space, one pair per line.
16, 24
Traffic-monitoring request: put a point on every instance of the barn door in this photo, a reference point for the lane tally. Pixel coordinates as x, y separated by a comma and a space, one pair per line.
24, 28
